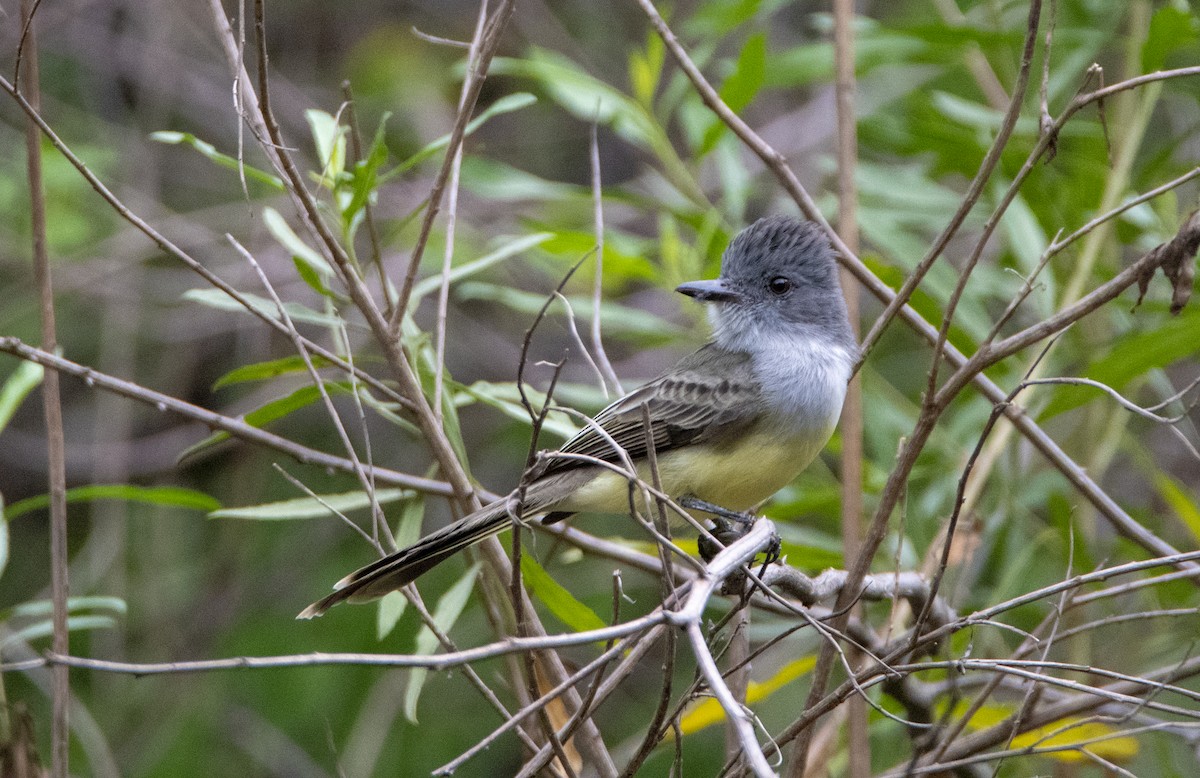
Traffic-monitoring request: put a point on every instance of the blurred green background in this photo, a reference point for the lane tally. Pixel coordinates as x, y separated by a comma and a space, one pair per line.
676, 186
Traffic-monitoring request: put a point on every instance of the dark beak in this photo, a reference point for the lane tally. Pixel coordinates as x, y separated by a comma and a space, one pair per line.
711, 291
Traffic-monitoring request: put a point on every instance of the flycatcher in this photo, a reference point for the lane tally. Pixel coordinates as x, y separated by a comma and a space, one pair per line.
731, 423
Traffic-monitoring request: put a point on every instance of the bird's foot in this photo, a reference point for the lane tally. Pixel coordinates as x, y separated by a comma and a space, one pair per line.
729, 527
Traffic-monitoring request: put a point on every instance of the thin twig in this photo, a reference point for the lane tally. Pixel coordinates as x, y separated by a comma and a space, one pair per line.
380, 525
614, 650
486, 45
175, 251
56, 466
607, 374
982, 176
454, 154
212, 419
777, 164
858, 744
356, 149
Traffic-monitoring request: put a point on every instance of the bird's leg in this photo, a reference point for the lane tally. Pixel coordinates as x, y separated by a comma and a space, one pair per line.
744, 519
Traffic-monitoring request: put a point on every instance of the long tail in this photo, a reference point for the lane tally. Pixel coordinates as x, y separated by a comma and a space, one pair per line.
395, 570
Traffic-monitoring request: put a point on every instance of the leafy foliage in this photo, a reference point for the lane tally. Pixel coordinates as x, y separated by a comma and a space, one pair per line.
677, 183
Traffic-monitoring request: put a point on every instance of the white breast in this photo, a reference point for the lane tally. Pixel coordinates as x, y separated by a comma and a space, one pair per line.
803, 380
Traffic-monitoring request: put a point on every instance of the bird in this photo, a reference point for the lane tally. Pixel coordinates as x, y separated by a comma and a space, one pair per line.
731, 423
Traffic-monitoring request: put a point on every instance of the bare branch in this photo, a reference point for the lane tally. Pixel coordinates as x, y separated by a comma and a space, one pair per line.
213, 420
60, 732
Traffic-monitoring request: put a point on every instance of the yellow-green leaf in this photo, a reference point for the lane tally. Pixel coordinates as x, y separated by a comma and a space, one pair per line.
561, 602
707, 712
1182, 503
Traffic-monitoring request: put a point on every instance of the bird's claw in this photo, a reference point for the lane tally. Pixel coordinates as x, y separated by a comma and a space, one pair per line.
729, 527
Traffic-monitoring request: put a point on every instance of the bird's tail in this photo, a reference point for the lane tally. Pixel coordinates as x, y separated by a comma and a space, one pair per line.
395, 570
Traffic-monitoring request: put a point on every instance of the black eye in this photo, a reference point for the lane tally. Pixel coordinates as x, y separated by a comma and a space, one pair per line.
780, 285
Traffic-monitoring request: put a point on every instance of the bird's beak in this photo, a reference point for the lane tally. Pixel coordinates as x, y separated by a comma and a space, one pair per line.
711, 291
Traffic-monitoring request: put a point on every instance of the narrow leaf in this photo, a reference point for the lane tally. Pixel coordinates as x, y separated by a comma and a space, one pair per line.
265, 414
506, 104
43, 629
391, 607
330, 139
18, 386
561, 602
408, 529
3, 537
310, 508
283, 233
447, 611
708, 711
741, 87
1183, 504
224, 160
169, 496
36, 609
510, 249
215, 298
261, 371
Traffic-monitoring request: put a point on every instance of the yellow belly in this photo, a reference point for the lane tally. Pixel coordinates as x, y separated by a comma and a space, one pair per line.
737, 476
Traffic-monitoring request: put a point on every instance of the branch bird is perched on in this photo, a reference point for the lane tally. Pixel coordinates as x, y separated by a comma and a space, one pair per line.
731, 423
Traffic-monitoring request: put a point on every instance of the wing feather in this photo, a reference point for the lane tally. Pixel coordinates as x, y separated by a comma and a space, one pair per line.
707, 395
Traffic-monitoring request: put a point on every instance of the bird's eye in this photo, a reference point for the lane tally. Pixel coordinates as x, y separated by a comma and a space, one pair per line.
780, 285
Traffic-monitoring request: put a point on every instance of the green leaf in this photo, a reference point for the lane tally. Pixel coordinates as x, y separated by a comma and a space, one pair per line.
498, 181
1183, 504
506, 104
741, 87
215, 298
44, 629
1025, 237
506, 250
624, 255
1132, 356
330, 139
619, 320
810, 557
873, 48
561, 602
591, 100
364, 176
408, 530
391, 607
224, 160
261, 371
645, 70
313, 268
169, 496
3, 537
506, 398
584, 96
18, 386
282, 232
35, 609
313, 279
311, 508
269, 412
447, 611
387, 410
1171, 28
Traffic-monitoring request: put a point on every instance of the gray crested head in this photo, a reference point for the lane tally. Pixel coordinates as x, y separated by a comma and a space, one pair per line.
778, 279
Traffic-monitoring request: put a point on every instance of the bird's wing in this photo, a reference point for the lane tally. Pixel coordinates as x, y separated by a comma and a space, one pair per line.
708, 394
